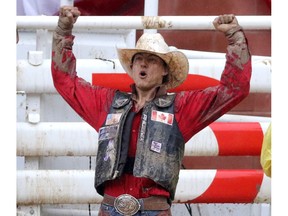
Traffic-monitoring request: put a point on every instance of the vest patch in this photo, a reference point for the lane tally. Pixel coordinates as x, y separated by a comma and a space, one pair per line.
113, 118
110, 152
108, 132
166, 118
156, 146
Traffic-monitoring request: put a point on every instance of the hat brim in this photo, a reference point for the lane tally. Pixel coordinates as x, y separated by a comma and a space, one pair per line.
177, 62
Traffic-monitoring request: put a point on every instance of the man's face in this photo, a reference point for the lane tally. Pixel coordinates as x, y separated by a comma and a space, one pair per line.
148, 71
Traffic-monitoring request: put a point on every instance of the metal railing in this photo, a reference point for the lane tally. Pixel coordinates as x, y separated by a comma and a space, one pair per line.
36, 187
86, 23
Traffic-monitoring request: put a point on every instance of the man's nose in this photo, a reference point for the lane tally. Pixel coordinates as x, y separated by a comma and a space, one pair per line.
144, 62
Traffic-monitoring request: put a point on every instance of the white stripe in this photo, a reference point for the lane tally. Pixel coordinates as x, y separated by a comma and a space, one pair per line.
264, 194
192, 184
264, 126
203, 143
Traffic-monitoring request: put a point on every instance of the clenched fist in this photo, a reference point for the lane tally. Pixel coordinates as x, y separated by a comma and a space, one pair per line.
67, 17
224, 23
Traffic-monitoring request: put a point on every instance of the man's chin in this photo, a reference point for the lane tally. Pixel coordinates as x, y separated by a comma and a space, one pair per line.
144, 87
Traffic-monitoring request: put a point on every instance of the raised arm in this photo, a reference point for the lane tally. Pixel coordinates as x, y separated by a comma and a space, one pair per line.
63, 39
86, 100
237, 45
209, 104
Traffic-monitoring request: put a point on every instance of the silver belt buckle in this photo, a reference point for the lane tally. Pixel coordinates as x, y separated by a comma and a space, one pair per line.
126, 204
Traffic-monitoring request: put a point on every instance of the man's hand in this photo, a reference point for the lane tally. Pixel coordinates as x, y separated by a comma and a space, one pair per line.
224, 23
67, 17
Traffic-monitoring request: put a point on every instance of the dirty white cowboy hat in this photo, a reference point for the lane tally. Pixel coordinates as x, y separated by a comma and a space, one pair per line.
155, 44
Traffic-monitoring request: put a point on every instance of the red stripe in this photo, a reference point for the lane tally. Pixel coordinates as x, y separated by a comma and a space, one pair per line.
122, 81
232, 186
195, 81
238, 138
112, 80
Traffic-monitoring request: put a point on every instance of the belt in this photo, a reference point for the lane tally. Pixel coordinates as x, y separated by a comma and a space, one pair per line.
129, 205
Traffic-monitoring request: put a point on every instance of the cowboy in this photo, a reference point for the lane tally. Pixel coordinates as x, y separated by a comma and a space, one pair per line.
142, 133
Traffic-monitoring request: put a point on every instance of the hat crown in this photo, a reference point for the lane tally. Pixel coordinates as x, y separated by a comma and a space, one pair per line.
152, 42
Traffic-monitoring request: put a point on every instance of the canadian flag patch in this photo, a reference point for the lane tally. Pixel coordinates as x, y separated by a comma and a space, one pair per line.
166, 118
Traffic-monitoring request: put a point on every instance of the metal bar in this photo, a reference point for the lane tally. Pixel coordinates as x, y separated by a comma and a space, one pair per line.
67, 2
62, 211
56, 187
193, 54
223, 186
87, 23
219, 138
151, 9
242, 118
43, 139
63, 187
37, 79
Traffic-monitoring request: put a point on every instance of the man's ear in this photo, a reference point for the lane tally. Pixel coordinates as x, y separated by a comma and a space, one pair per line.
166, 71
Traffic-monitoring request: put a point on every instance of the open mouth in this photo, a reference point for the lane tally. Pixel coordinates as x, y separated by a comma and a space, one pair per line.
143, 74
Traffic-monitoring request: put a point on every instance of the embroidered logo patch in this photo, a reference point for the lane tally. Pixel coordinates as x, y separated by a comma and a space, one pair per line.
156, 146
166, 118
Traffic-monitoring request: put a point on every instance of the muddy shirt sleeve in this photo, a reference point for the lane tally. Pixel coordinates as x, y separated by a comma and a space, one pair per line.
197, 109
90, 102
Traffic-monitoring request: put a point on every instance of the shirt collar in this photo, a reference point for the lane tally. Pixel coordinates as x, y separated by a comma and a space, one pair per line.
161, 90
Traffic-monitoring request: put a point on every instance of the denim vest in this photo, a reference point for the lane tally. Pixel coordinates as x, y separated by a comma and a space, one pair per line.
160, 145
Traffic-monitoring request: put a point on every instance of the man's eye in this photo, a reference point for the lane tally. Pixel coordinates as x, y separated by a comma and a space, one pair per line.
152, 60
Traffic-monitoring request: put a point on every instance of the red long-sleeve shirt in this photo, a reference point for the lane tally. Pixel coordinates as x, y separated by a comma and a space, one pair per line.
194, 110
